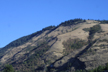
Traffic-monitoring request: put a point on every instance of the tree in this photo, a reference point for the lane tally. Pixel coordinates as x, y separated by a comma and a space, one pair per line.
8, 68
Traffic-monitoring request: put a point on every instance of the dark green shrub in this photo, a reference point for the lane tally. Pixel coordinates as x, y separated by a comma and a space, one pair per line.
86, 29
8, 68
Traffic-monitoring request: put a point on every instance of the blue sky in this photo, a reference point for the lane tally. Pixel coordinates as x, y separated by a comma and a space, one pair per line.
22, 17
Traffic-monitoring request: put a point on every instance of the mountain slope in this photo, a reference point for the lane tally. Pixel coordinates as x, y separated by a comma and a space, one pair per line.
74, 44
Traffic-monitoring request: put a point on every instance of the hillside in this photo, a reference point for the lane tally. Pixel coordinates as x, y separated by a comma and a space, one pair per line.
72, 45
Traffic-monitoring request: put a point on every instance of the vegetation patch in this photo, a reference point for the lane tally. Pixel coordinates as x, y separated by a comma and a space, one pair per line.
92, 31
86, 29
72, 44
72, 22
98, 69
8, 68
103, 21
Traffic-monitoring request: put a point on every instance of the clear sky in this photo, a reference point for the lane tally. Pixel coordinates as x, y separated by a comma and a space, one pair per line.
22, 17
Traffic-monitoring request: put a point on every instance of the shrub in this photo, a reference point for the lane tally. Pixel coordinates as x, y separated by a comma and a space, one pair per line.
8, 68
